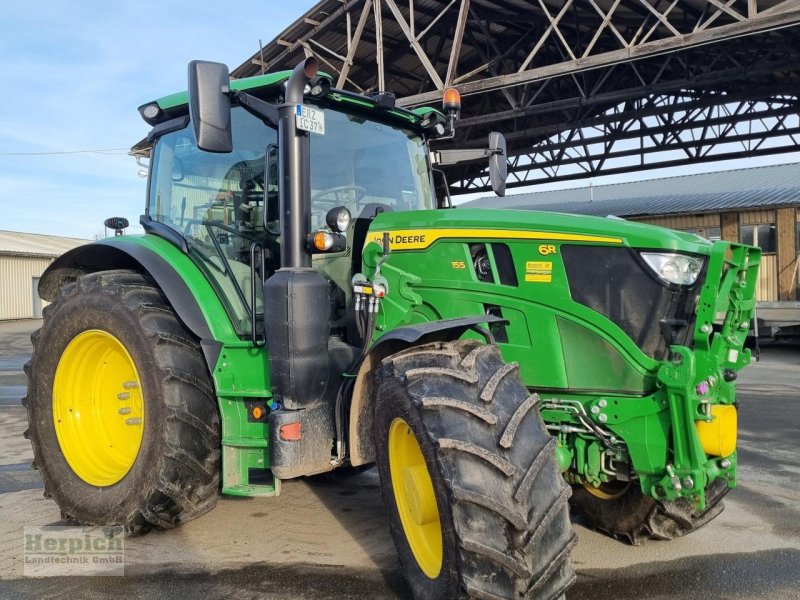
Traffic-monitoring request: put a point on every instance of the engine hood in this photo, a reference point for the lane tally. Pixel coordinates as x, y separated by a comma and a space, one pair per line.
419, 229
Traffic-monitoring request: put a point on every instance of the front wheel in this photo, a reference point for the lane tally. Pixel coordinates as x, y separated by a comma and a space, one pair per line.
622, 511
477, 506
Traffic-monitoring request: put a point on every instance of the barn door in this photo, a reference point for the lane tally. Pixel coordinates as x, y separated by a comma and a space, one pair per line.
37, 301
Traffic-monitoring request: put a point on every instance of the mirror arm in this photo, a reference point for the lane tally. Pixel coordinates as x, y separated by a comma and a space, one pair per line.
446, 188
263, 110
452, 157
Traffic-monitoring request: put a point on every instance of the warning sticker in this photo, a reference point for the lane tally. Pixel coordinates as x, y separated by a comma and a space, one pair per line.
537, 271
533, 278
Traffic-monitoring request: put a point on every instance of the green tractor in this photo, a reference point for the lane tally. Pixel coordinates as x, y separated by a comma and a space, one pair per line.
301, 302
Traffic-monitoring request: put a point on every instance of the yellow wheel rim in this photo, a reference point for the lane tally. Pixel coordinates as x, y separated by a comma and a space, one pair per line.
415, 498
98, 410
609, 490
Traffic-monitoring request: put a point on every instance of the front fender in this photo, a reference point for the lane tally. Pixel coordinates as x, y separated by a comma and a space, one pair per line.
360, 436
187, 290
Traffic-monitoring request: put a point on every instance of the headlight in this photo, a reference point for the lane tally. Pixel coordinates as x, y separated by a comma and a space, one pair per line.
679, 269
338, 219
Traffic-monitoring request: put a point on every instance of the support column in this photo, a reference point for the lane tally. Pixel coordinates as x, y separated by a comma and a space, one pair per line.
786, 223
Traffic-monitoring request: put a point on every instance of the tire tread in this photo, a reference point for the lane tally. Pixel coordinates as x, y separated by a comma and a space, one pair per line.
505, 488
636, 518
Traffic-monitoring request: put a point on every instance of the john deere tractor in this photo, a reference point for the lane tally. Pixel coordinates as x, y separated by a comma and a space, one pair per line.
301, 301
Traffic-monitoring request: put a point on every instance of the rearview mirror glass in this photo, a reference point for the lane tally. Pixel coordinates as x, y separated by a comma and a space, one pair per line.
210, 105
498, 163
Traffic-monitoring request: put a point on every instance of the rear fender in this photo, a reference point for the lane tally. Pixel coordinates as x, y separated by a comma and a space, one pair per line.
185, 287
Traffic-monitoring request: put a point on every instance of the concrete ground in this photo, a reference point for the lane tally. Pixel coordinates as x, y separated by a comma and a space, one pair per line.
328, 538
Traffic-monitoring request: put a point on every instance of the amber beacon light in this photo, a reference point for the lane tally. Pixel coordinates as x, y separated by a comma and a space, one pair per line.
451, 101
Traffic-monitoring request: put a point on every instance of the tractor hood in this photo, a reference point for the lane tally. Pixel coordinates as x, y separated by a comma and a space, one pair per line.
417, 230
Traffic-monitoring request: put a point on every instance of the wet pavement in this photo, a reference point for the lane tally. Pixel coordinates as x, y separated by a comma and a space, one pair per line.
328, 538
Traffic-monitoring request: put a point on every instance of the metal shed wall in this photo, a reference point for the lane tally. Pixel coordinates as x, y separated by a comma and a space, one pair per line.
16, 284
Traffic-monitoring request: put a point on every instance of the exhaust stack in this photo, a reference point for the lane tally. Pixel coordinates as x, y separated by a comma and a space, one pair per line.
295, 170
297, 309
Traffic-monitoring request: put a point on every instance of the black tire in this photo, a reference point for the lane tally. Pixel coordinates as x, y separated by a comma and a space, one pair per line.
636, 518
175, 475
341, 474
502, 502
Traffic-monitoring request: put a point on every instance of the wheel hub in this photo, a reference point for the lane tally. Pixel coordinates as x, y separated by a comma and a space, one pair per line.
419, 494
98, 408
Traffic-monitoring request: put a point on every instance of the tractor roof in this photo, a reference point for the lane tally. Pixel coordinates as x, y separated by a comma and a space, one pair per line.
270, 85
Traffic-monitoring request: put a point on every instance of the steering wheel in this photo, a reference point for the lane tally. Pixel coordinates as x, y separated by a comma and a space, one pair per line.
339, 198
338, 192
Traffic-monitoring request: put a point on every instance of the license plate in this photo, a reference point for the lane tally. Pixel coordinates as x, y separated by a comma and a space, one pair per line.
310, 119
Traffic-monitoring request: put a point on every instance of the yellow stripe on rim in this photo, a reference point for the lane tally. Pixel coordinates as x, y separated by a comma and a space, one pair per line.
98, 408
415, 498
419, 239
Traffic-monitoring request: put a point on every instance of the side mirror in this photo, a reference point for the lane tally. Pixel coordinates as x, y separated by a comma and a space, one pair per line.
210, 105
118, 224
498, 163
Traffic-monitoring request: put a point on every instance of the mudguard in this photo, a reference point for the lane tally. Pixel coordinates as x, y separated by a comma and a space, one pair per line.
362, 447
185, 287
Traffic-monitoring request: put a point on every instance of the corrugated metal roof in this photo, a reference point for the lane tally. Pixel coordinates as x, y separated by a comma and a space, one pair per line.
34, 244
756, 187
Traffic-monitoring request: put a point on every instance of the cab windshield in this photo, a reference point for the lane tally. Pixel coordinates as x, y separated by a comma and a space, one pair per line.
222, 203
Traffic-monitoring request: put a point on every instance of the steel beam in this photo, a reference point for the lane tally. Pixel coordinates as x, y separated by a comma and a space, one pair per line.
576, 85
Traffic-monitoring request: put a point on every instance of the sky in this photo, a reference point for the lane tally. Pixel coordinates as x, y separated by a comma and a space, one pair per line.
72, 75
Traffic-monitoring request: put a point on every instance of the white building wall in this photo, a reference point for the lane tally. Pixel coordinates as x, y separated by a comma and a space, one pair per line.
16, 284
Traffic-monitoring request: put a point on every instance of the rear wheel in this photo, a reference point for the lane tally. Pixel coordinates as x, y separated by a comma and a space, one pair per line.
622, 511
121, 409
477, 506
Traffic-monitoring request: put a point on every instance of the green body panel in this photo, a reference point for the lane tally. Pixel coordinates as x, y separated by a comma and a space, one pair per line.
241, 375
242, 379
535, 309
185, 268
604, 398
248, 83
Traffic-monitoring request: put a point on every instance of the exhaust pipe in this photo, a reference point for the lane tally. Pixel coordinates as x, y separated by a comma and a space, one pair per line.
295, 181
297, 309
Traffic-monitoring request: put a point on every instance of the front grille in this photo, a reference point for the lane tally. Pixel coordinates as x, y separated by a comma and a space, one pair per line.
615, 283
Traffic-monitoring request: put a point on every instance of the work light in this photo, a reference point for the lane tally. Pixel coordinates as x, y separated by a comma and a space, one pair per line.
678, 269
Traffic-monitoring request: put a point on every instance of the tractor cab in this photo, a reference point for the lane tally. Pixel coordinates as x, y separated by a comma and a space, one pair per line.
224, 207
